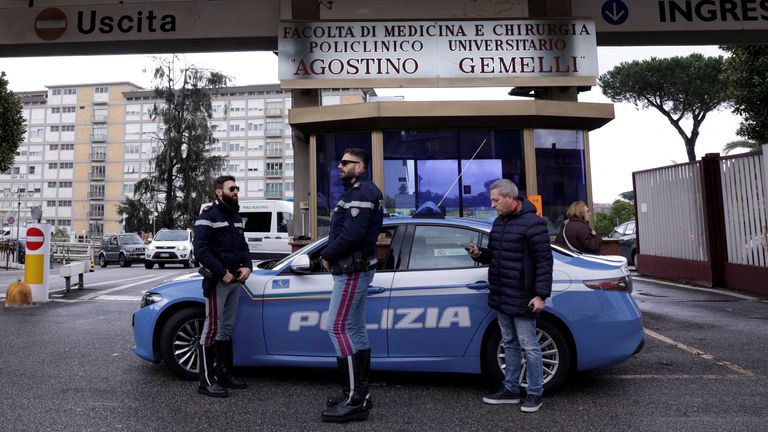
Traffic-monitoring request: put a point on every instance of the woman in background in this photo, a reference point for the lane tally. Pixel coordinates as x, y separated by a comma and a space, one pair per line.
577, 234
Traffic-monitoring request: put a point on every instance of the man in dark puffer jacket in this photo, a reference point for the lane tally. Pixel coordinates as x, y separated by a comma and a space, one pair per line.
520, 277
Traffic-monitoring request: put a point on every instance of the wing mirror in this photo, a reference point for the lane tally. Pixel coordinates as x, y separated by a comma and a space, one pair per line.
301, 264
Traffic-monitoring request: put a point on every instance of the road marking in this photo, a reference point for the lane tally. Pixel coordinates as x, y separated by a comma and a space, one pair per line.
122, 287
736, 368
676, 376
119, 298
709, 290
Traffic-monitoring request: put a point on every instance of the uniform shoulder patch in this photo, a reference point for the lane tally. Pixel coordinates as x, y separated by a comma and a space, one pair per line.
206, 208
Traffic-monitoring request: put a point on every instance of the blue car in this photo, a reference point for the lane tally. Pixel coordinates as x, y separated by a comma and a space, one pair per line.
426, 310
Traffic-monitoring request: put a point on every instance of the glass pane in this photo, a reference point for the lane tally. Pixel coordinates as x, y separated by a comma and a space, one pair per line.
559, 154
434, 178
330, 149
476, 183
257, 222
441, 248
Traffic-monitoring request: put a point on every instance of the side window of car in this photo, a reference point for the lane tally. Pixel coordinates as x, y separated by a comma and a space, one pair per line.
439, 247
384, 255
630, 228
113, 241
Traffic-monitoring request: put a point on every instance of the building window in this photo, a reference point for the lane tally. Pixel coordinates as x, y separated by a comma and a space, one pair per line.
68, 128
56, 92
65, 203
70, 91
68, 109
50, 203
52, 184
67, 146
55, 110
66, 165
101, 90
65, 184
53, 147
54, 128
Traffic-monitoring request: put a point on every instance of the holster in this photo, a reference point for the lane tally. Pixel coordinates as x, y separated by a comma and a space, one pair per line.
209, 282
353, 263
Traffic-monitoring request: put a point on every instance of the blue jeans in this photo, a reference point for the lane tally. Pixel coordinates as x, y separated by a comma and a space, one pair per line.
346, 313
516, 333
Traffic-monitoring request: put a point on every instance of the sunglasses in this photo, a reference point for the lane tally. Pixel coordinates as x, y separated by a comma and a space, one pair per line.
234, 189
345, 162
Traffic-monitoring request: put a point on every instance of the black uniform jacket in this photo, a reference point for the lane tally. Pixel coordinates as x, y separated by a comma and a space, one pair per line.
220, 243
356, 220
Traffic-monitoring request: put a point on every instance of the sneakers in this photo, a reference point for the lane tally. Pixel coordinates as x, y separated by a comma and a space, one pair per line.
532, 403
502, 396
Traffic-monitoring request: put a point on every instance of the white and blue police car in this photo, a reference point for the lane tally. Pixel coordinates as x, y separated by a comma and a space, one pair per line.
426, 310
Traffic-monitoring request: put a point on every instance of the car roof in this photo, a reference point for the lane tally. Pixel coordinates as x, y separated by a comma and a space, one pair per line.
448, 221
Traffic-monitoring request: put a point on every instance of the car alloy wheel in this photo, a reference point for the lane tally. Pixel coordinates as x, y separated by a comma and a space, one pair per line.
179, 341
555, 356
102, 261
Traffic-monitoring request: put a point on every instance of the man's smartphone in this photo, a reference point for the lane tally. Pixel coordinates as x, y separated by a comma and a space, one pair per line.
464, 245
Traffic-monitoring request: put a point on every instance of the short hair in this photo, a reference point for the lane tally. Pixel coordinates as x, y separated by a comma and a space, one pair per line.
218, 183
505, 188
360, 154
577, 210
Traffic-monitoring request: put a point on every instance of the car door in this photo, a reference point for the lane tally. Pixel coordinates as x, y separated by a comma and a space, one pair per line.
439, 295
295, 306
112, 249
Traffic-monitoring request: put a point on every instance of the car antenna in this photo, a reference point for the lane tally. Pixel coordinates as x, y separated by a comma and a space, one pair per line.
462, 171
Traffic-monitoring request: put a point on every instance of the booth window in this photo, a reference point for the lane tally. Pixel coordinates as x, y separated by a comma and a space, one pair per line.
561, 169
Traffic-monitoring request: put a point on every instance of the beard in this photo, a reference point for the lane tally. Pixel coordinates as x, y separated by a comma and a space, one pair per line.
231, 200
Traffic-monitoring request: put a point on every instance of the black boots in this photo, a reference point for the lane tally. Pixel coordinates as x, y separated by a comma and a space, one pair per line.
224, 366
355, 401
214, 376
208, 385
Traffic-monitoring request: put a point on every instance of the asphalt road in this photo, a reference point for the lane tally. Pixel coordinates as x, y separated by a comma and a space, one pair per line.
67, 365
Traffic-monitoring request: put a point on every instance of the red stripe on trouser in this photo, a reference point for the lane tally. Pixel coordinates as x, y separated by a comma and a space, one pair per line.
213, 320
345, 345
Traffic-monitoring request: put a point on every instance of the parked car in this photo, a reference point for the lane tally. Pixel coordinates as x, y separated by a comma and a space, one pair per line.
124, 249
171, 247
626, 234
426, 309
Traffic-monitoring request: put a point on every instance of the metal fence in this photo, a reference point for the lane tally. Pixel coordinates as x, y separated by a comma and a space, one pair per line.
744, 206
669, 216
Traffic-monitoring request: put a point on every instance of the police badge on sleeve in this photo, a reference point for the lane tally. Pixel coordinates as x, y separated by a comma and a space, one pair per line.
354, 211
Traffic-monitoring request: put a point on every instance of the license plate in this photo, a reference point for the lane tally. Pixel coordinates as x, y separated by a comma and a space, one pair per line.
163, 255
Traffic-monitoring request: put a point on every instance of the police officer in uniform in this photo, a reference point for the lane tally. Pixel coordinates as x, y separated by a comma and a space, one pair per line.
221, 248
351, 257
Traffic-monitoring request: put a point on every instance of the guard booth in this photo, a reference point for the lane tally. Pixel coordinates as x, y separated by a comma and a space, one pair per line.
447, 152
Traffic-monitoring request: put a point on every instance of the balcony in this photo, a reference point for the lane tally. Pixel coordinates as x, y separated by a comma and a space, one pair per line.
275, 152
273, 112
96, 214
273, 173
98, 156
98, 195
273, 132
98, 137
97, 176
98, 119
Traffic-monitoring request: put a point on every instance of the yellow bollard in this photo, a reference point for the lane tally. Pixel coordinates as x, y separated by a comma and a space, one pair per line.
18, 294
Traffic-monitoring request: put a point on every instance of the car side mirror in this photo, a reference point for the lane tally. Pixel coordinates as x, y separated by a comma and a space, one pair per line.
301, 265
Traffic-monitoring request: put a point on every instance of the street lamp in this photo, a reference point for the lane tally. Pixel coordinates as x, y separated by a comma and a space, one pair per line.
154, 215
18, 218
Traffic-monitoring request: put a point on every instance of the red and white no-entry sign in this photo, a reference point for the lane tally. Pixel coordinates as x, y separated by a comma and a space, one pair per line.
35, 238
50, 24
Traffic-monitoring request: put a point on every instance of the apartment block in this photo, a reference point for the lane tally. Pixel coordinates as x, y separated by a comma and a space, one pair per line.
88, 144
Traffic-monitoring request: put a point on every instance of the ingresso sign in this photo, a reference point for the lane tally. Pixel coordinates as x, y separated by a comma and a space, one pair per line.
89, 29
547, 52
669, 22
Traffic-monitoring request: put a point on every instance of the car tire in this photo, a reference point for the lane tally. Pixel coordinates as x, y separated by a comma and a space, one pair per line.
149, 264
102, 260
555, 350
179, 340
123, 261
188, 263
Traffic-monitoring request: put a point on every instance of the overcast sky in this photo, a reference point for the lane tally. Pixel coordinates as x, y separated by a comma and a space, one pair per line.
634, 140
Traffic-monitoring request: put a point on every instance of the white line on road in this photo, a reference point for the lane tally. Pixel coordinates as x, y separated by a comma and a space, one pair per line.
119, 298
122, 287
736, 368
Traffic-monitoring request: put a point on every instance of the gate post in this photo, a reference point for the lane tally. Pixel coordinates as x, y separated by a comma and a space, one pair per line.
714, 217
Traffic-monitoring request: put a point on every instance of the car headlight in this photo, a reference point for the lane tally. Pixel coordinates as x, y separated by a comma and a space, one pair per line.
151, 247
183, 247
150, 297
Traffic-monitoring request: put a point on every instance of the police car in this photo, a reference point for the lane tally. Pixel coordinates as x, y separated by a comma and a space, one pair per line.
426, 310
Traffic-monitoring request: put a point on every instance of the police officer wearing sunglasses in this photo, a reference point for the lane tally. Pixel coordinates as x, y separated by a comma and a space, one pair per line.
221, 248
350, 257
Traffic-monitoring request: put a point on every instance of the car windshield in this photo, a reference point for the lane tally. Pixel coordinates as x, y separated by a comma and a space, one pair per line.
172, 236
130, 239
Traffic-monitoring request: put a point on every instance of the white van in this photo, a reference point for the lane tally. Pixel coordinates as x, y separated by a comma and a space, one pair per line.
266, 227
